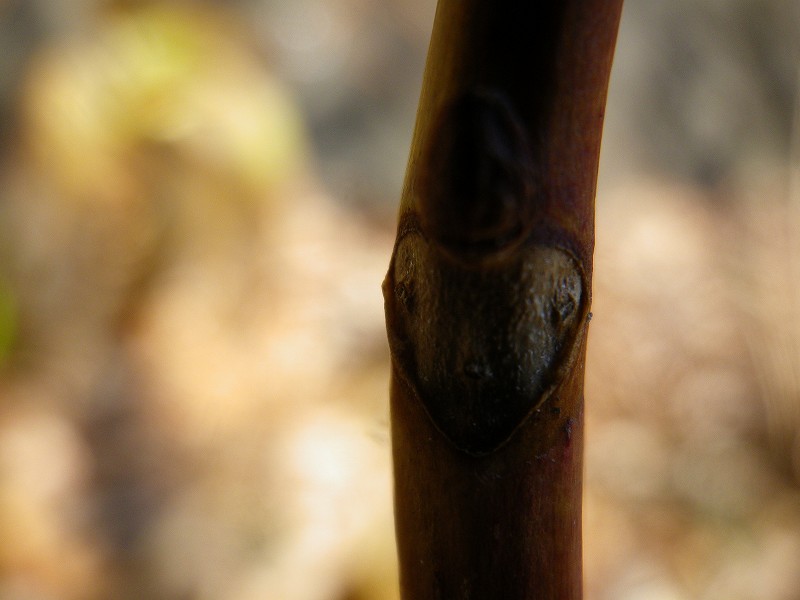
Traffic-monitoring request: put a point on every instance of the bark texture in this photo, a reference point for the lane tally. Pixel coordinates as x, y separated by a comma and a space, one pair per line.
487, 299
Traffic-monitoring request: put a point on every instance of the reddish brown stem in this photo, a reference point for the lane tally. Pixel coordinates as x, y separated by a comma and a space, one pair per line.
487, 299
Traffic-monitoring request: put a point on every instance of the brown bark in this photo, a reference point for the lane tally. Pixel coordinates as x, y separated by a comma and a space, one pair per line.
487, 299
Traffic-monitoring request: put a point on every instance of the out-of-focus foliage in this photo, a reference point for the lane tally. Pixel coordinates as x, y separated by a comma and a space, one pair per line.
159, 77
8, 321
693, 448
703, 89
193, 367
193, 405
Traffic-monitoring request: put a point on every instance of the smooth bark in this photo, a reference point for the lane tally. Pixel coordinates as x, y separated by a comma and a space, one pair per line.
488, 296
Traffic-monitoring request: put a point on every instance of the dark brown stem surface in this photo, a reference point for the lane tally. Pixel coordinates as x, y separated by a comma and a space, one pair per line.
487, 300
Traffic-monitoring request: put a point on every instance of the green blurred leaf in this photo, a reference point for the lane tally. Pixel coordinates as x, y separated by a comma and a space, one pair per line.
8, 321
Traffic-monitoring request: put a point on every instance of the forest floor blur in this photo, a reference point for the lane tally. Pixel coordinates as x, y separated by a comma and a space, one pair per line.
194, 371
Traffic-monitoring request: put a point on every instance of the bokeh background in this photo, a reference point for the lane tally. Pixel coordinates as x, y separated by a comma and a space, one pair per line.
197, 202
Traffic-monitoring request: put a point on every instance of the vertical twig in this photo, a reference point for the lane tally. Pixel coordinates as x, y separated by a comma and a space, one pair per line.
487, 299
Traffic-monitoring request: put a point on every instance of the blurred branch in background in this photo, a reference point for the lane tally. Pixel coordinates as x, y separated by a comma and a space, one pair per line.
193, 375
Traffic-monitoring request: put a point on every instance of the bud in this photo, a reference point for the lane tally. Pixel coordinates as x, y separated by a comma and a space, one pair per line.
477, 188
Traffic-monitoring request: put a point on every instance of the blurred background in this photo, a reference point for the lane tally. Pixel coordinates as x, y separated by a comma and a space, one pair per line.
197, 203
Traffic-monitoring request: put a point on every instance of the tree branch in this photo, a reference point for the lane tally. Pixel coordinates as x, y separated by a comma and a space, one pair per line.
487, 299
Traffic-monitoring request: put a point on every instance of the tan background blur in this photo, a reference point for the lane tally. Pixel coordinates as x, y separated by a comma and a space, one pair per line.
196, 212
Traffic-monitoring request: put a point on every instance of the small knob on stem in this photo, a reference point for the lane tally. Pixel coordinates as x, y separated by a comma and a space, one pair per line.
477, 192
